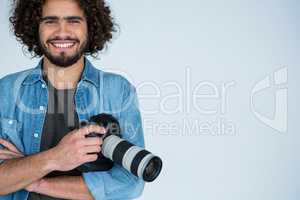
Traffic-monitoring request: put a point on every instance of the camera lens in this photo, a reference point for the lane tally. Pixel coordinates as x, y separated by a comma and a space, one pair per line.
152, 169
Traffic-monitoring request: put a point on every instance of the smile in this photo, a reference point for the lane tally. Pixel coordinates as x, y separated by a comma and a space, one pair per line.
63, 45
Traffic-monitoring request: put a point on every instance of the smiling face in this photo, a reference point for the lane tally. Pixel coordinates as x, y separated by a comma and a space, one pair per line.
63, 32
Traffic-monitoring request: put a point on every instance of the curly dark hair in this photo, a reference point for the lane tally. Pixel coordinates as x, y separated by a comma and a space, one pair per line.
26, 16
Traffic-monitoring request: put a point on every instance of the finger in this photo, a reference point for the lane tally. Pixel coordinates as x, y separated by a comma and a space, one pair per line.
96, 129
93, 129
91, 149
7, 156
9, 146
90, 158
89, 141
6, 151
4, 154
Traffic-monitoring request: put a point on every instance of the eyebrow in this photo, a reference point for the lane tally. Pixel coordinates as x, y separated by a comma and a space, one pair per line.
66, 18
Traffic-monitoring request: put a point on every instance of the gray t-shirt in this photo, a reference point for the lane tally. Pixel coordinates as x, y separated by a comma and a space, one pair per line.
61, 118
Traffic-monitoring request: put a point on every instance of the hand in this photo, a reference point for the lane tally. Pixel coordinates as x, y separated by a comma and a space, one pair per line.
76, 149
33, 187
11, 152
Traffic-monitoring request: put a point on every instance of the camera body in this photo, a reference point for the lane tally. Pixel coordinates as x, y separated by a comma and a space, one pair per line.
113, 128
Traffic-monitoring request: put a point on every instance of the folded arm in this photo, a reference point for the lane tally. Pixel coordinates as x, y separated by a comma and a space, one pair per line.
74, 149
66, 187
23, 169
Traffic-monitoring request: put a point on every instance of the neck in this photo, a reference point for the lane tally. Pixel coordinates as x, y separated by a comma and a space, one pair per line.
63, 78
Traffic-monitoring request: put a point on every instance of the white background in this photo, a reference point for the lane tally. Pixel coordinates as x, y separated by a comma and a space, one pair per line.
172, 47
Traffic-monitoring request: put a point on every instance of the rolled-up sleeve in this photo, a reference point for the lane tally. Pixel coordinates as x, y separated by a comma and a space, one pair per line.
118, 183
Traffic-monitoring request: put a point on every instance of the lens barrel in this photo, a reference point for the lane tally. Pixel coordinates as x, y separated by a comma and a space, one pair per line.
136, 160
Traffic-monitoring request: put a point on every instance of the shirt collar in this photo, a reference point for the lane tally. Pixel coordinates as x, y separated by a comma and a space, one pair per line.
90, 74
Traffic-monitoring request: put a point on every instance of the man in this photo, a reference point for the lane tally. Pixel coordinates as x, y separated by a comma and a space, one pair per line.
39, 122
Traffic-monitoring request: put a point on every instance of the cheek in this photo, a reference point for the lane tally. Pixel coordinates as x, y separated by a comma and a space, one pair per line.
44, 34
83, 33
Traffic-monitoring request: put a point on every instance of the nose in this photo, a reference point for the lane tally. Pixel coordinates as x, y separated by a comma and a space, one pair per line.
63, 29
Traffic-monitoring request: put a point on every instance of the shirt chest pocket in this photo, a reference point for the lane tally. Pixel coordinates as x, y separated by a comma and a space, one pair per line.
10, 131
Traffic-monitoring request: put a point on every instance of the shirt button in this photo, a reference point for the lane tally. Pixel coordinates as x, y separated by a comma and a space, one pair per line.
43, 85
10, 122
36, 135
42, 108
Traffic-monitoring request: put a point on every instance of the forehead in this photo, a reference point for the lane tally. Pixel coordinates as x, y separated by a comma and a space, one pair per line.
62, 8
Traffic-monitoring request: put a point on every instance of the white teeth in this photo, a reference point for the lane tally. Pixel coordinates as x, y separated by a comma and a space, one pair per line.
63, 45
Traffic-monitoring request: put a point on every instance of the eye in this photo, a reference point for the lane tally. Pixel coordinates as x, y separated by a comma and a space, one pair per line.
74, 21
49, 21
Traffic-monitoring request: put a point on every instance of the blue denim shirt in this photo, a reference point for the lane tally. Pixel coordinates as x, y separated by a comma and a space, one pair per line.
23, 105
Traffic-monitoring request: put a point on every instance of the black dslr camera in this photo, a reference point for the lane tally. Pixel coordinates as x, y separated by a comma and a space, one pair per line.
136, 160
